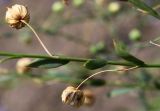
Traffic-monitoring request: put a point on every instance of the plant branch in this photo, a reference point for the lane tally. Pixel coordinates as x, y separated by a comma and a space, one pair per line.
100, 72
74, 59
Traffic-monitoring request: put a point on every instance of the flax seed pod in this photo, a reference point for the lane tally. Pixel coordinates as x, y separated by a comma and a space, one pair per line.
73, 96
16, 14
21, 65
17, 17
100, 2
66, 2
89, 98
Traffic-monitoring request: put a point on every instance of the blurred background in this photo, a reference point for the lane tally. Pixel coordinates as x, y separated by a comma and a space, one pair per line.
84, 28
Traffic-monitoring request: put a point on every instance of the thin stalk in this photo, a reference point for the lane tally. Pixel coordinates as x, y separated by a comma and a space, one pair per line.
40, 41
6, 59
151, 42
156, 7
114, 70
145, 12
75, 59
43, 56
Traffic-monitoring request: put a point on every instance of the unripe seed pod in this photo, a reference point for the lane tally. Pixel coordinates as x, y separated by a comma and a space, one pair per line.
135, 35
114, 7
73, 97
58, 7
16, 14
21, 65
78, 3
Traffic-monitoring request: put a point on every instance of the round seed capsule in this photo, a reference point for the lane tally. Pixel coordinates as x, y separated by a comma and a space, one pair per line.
21, 65
16, 14
89, 98
73, 97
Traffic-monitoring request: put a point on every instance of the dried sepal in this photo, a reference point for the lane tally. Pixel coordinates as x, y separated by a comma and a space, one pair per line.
73, 97
16, 14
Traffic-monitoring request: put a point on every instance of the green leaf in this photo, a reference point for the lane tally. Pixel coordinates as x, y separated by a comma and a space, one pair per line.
135, 35
97, 82
118, 92
123, 53
95, 64
48, 63
141, 5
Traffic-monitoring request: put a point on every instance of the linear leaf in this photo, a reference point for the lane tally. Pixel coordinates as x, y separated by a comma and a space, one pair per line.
97, 82
48, 63
95, 64
143, 6
123, 53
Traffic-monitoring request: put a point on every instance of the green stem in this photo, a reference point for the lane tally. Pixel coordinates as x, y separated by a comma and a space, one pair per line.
74, 59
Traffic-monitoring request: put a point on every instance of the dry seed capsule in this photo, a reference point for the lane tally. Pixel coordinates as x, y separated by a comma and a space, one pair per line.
66, 2
21, 65
100, 2
73, 97
16, 14
89, 98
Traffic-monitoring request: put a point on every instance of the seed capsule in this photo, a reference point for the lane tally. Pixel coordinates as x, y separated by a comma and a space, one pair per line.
21, 65
89, 98
66, 2
16, 14
73, 97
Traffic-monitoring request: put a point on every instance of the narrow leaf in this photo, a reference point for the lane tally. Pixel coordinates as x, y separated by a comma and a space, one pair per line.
118, 92
48, 63
143, 6
123, 53
97, 82
95, 64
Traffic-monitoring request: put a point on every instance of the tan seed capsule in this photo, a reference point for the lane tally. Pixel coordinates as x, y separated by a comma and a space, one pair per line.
73, 97
16, 14
100, 2
89, 98
21, 65
66, 2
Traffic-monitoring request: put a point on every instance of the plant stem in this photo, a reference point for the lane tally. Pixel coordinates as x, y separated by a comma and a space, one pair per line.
100, 72
151, 42
74, 59
40, 41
